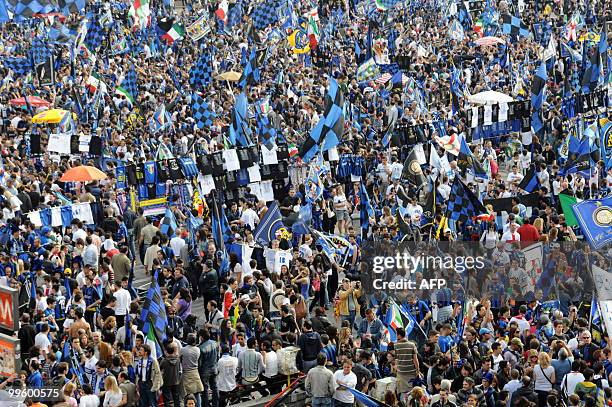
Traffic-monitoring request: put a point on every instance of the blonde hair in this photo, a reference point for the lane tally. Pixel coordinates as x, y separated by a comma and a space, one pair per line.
110, 384
544, 360
127, 358
69, 389
539, 224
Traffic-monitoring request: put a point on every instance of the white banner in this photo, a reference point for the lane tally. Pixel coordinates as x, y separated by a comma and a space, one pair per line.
198, 29
602, 280
605, 308
59, 143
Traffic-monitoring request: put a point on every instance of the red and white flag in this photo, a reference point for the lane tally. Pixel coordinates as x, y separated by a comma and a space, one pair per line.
221, 12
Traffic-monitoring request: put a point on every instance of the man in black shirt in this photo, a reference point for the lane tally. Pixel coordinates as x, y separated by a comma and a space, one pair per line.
288, 323
26, 335
289, 202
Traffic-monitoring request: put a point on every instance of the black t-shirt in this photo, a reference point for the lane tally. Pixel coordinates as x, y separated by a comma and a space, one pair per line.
363, 376
106, 312
288, 324
288, 202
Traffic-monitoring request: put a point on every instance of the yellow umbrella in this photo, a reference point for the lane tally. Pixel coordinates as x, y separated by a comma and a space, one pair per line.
231, 76
53, 116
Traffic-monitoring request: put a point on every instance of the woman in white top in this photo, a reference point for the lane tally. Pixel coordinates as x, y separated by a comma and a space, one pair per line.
112, 395
544, 374
490, 238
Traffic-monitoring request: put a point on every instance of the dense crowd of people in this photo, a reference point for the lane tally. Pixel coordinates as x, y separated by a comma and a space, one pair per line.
223, 319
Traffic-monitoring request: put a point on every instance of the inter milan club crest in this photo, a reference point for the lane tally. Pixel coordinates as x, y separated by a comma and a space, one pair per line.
283, 233
415, 167
602, 216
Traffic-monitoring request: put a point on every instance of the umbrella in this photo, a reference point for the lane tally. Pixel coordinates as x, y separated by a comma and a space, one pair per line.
231, 76
489, 97
53, 116
489, 41
34, 101
83, 173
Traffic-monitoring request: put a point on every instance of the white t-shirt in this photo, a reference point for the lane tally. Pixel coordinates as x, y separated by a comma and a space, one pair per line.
271, 362
112, 399
42, 341
90, 400
522, 323
569, 382
250, 218
396, 170
177, 243
282, 258
512, 177
349, 380
228, 368
124, 299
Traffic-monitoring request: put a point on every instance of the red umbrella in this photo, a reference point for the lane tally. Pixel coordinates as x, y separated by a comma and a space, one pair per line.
34, 101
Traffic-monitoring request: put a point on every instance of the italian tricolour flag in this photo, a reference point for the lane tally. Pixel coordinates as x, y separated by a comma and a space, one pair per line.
173, 32
95, 82
313, 27
140, 13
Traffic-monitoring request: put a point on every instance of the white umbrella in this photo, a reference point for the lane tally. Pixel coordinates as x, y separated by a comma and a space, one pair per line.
489, 97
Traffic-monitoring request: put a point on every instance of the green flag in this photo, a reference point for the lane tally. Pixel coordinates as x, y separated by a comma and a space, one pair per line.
566, 205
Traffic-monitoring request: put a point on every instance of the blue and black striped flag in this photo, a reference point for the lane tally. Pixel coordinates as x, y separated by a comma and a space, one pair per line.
19, 65
538, 96
234, 14
39, 51
530, 181
200, 74
222, 234
24, 9
239, 130
327, 133
366, 209
265, 13
267, 133
514, 27
201, 112
462, 203
251, 73
153, 318
95, 34
593, 75
129, 86
468, 161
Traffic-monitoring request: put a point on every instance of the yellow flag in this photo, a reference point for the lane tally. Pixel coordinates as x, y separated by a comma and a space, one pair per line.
298, 41
443, 225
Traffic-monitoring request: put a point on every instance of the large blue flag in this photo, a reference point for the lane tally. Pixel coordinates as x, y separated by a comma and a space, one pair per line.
538, 97
593, 217
169, 224
271, 222
366, 210
239, 130
153, 318
365, 399
327, 133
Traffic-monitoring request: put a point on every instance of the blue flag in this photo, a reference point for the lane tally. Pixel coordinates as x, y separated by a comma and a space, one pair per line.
169, 224
366, 209
365, 399
593, 217
266, 230
327, 133
153, 316
239, 130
